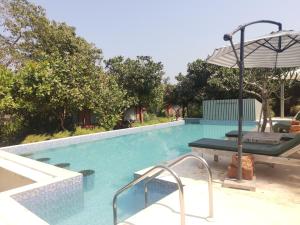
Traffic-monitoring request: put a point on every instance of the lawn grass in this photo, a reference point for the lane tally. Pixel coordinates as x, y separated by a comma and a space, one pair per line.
62, 134
153, 121
81, 131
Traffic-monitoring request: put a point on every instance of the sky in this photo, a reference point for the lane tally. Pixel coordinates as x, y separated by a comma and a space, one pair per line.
175, 32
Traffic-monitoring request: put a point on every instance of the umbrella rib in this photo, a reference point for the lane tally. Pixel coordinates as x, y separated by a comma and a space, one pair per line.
291, 43
271, 44
263, 45
252, 42
235, 49
288, 44
251, 51
287, 47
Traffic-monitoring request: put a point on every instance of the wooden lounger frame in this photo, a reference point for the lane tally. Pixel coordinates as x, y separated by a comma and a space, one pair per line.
283, 159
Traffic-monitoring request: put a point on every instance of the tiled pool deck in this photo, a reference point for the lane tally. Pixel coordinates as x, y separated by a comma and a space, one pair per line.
276, 200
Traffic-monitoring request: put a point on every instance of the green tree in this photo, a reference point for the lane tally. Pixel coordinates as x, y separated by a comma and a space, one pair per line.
169, 95
184, 92
140, 77
108, 101
192, 88
22, 23
10, 122
58, 73
52, 95
7, 103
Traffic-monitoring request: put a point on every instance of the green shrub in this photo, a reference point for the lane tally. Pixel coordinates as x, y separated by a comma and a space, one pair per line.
61, 134
295, 109
11, 130
195, 111
36, 137
153, 121
272, 113
82, 131
149, 117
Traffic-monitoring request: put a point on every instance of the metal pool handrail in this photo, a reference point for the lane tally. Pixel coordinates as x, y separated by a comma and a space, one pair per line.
144, 176
177, 161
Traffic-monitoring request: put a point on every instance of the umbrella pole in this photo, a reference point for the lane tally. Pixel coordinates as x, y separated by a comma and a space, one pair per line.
240, 60
240, 122
282, 100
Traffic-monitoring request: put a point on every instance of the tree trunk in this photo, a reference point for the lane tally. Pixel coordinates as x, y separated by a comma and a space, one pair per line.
183, 111
269, 115
141, 115
187, 111
62, 117
265, 117
265, 111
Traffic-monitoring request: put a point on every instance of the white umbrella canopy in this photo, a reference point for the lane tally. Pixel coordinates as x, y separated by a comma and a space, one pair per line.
276, 50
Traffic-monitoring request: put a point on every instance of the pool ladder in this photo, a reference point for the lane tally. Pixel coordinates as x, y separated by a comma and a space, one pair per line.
163, 168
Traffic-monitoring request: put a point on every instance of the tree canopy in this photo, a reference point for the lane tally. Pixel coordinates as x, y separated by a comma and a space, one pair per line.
193, 87
140, 77
50, 74
56, 72
207, 81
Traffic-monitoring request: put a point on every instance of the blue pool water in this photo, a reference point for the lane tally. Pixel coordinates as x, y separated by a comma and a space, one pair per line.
114, 161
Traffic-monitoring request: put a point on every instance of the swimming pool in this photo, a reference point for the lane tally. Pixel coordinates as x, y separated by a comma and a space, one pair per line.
114, 161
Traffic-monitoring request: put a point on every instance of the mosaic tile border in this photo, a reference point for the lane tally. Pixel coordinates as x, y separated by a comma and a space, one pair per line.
45, 192
52, 190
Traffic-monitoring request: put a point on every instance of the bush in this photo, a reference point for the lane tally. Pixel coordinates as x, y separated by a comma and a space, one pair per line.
11, 130
149, 116
272, 113
295, 109
195, 111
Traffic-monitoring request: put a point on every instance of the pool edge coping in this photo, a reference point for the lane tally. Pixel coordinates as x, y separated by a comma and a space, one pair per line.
62, 142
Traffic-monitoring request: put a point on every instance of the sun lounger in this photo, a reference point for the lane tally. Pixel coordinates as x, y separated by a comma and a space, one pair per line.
266, 153
284, 126
233, 135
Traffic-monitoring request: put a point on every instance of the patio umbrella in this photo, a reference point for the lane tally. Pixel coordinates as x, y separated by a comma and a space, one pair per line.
280, 49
